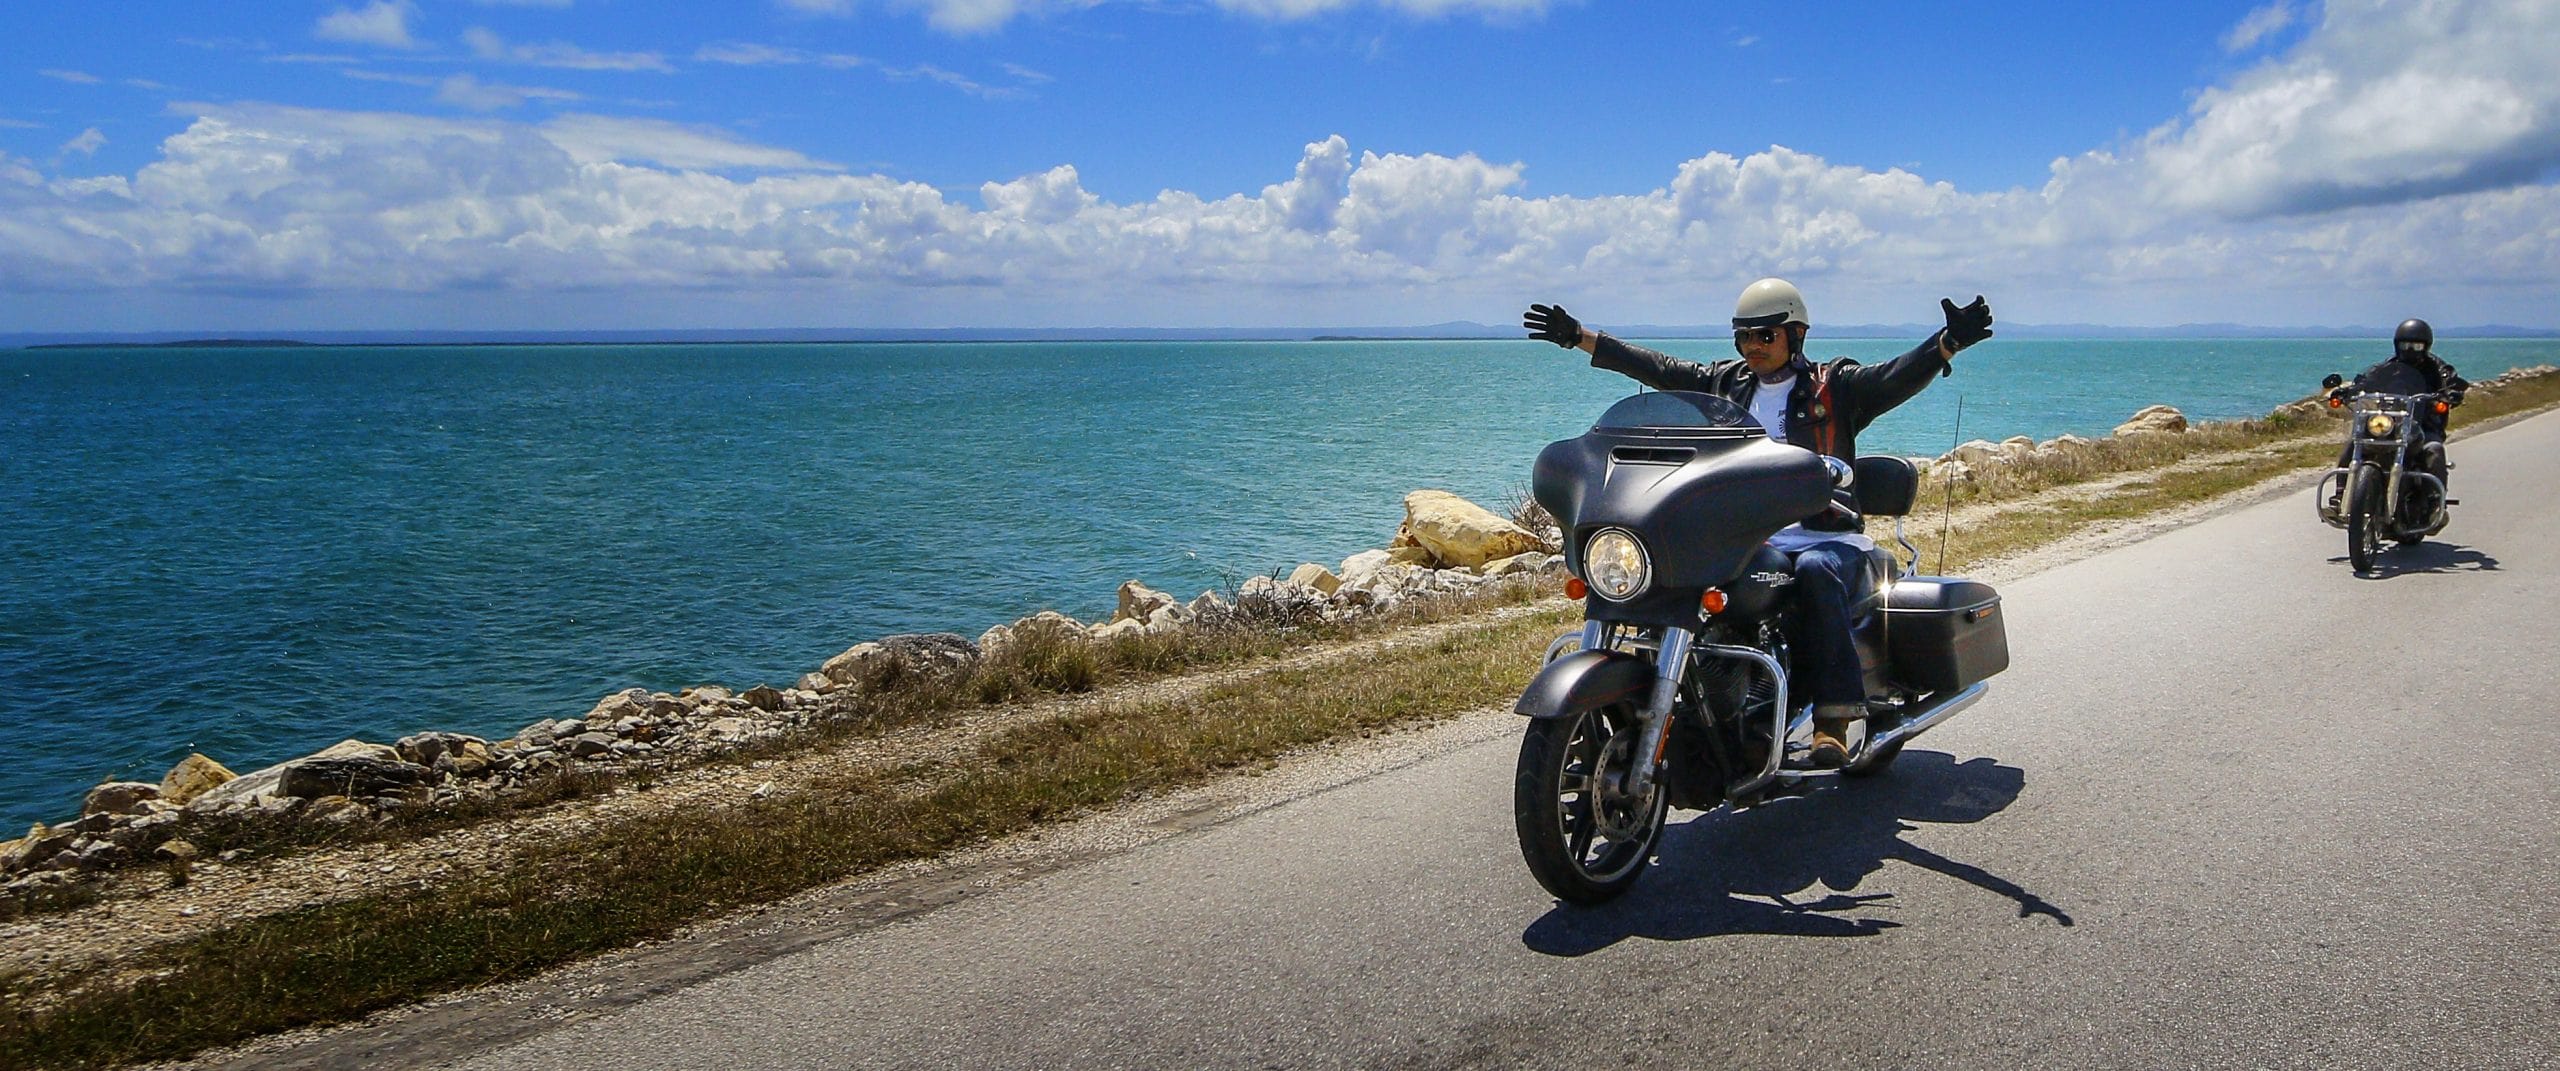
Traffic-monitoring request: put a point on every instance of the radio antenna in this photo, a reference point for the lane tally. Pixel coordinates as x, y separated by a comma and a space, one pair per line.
1947, 523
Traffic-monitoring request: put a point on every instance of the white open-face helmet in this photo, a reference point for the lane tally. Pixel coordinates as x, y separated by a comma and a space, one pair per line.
1769, 303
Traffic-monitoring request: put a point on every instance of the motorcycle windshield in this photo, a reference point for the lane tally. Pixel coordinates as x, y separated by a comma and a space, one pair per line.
1677, 413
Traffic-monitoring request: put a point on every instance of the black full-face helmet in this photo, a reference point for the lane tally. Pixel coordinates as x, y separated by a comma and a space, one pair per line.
2414, 336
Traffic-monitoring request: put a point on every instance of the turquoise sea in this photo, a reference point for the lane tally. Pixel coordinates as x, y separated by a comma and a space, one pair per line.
255, 553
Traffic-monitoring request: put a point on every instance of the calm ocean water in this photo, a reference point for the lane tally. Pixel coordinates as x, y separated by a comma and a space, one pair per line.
257, 553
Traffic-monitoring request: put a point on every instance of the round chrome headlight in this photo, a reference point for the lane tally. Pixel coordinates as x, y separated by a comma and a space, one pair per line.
2378, 425
1615, 565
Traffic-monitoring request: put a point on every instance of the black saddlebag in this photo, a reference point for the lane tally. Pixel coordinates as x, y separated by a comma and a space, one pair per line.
1944, 632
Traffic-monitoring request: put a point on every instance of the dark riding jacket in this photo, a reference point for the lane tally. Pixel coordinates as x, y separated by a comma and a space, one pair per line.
1858, 393
2416, 373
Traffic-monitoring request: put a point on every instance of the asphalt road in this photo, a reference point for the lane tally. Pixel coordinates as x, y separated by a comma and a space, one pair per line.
2232, 806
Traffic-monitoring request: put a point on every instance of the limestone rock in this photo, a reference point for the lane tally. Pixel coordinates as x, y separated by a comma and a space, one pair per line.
1517, 563
1974, 453
351, 776
260, 785
1356, 565
1138, 602
629, 702
763, 697
887, 660
1412, 555
1113, 630
1460, 533
1209, 604
193, 776
1315, 576
2154, 418
1047, 625
118, 797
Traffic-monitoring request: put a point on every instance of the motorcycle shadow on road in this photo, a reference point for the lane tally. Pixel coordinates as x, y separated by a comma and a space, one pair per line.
1755, 872
2427, 557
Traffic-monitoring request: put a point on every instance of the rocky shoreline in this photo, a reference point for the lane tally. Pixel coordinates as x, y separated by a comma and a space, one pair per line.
1445, 546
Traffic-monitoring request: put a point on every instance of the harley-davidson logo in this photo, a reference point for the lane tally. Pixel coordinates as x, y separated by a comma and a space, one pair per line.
1773, 578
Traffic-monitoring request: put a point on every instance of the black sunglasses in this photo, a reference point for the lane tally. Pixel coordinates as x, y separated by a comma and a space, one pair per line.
1755, 334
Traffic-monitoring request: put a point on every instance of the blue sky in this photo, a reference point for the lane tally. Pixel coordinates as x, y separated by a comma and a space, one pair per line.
796, 163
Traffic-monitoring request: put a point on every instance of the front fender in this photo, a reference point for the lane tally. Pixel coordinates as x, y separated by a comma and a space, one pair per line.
1583, 680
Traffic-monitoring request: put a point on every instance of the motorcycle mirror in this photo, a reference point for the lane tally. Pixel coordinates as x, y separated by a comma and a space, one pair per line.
2331, 381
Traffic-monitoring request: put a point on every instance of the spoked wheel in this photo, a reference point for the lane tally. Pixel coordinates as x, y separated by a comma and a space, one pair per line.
1583, 837
2364, 516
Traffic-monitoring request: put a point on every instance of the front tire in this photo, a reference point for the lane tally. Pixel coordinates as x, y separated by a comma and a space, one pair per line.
1584, 841
2364, 516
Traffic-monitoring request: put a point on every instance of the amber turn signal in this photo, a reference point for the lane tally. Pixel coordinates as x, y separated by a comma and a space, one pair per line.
1574, 588
2442, 409
1713, 601
2337, 403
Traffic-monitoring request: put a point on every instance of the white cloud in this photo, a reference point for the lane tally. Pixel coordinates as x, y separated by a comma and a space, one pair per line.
2357, 170
488, 45
747, 54
82, 78
19, 124
929, 73
2257, 26
979, 16
2379, 103
87, 144
592, 139
465, 91
382, 22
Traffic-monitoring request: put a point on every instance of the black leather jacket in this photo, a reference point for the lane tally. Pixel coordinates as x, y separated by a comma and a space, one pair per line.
1859, 393
2418, 373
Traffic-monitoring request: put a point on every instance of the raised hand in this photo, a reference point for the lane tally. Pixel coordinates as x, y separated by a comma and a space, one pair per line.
1967, 325
1551, 323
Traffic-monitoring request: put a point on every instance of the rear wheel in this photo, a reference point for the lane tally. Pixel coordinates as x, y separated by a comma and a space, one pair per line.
1584, 838
2364, 516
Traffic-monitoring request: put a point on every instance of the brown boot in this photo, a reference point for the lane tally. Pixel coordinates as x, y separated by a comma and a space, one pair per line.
1835, 729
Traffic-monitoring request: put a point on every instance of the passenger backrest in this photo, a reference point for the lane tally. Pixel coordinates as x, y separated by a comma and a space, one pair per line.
1886, 485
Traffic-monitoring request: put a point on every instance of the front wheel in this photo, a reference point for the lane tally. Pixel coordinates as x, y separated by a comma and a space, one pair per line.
1585, 839
2364, 516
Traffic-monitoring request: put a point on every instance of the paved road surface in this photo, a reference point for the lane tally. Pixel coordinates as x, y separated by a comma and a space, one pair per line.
2231, 807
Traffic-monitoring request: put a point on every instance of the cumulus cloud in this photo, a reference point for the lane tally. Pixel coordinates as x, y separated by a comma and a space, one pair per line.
87, 144
382, 22
2381, 102
489, 46
2315, 176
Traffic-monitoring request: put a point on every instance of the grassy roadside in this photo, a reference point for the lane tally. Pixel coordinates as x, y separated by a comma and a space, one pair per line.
633, 882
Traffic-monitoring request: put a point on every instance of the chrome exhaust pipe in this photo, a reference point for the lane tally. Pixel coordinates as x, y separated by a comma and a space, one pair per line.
1925, 720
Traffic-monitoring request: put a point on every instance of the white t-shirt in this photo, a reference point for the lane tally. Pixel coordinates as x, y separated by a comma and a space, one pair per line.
1769, 407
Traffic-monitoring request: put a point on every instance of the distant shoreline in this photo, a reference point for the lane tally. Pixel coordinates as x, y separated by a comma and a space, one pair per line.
1448, 332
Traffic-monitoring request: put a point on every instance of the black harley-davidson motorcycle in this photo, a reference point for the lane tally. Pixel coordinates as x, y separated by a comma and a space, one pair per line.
1675, 692
2383, 491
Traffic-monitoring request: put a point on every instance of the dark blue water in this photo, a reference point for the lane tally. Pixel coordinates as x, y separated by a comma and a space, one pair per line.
256, 553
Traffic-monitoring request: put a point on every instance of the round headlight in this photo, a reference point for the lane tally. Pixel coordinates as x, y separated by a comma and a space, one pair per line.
2378, 425
1614, 564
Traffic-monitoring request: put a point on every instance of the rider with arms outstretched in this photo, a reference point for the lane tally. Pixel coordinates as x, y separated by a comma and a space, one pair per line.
1818, 407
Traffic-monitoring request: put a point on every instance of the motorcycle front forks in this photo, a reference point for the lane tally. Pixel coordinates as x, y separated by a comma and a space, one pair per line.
1672, 656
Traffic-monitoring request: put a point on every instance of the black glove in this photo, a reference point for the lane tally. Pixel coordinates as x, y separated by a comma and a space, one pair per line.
1967, 325
1551, 323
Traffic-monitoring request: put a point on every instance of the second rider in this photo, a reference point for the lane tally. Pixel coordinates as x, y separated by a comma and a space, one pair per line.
1818, 407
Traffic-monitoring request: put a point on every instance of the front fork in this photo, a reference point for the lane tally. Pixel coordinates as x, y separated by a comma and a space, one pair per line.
1670, 665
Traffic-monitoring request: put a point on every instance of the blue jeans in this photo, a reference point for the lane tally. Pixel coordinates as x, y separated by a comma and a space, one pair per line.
1826, 575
